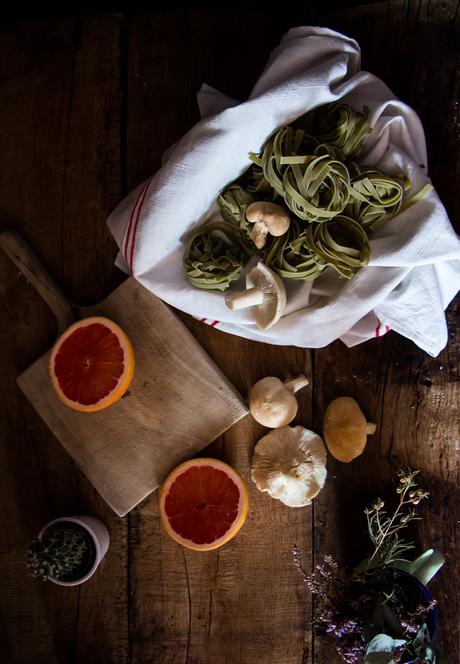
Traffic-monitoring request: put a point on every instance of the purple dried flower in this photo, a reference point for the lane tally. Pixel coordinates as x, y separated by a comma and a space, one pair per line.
298, 564
409, 626
329, 560
423, 609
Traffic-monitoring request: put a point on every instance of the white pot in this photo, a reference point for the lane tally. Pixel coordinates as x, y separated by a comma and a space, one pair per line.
100, 536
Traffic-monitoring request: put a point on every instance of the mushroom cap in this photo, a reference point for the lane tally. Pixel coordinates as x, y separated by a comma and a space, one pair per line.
289, 464
271, 404
345, 430
270, 311
272, 215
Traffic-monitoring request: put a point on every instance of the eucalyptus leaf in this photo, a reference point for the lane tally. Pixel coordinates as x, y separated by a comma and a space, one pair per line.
429, 655
381, 643
380, 650
421, 638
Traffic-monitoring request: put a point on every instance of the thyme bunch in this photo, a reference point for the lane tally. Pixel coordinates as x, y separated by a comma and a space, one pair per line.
384, 529
58, 553
370, 611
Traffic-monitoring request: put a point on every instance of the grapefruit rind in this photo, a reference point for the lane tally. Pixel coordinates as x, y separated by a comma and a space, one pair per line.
124, 380
243, 504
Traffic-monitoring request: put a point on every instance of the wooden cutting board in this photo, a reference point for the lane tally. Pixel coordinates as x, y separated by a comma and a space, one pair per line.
178, 401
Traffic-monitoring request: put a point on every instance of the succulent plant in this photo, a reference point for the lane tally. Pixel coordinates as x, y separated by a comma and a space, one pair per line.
58, 553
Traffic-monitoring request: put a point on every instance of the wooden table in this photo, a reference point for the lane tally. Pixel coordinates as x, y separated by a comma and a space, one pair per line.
88, 104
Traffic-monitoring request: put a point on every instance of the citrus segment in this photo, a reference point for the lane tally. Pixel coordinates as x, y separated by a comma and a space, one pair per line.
203, 504
91, 364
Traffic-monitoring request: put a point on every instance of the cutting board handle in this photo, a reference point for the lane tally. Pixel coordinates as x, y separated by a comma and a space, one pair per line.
24, 259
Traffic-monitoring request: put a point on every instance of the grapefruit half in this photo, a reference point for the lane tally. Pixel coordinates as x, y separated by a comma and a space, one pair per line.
203, 504
91, 364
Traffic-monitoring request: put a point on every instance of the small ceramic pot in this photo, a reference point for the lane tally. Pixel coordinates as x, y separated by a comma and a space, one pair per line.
418, 574
419, 594
100, 539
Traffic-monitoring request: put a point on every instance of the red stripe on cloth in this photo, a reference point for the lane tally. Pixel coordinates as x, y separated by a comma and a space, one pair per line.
203, 320
387, 328
214, 322
131, 217
377, 329
141, 203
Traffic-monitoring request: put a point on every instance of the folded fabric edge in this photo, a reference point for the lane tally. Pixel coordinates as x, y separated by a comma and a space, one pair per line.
433, 349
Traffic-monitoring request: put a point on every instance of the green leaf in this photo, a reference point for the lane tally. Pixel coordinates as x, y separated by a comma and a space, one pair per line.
421, 638
381, 643
380, 650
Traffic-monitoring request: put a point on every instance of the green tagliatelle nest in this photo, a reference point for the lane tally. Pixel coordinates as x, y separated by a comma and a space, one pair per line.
332, 200
214, 255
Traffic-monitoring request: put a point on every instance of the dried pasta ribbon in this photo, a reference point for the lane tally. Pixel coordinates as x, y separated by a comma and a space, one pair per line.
340, 200
314, 182
290, 256
415, 198
343, 126
305, 252
214, 255
342, 243
318, 189
233, 202
374, 195
257, 184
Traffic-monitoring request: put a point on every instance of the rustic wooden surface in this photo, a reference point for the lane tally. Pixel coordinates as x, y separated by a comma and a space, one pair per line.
177, 403
87, 105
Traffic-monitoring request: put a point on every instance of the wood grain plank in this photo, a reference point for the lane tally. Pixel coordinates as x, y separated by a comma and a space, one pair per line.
61, 104
232, 604
414, 399
243, 603
93, 185
37, 480
60, 179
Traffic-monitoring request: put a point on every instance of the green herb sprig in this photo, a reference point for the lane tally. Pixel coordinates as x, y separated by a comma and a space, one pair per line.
58, 553
384, 529
370, 611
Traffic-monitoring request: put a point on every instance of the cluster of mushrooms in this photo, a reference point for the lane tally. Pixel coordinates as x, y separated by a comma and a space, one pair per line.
306, 204
289, 463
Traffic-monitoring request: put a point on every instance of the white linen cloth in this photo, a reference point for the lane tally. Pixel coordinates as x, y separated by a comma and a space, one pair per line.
414, 268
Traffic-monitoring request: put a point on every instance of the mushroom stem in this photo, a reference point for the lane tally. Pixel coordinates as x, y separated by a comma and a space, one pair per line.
370, 428
244, 299
259, 234
295, 384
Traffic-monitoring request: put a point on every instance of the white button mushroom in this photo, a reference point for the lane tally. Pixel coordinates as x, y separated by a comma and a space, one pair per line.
290, 465
272, 403
267, 218
265, 293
